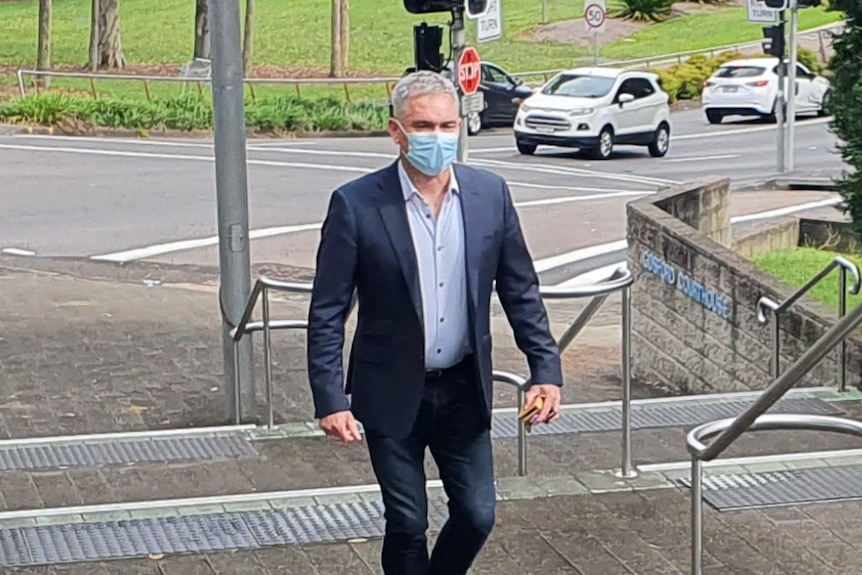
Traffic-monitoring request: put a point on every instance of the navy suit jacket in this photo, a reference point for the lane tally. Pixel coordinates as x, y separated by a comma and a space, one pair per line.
366, 246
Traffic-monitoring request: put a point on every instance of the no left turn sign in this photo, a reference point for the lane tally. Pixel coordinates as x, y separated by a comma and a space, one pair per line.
595, 15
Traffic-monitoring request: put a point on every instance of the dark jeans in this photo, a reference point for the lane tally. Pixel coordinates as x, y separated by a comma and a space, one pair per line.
452, 424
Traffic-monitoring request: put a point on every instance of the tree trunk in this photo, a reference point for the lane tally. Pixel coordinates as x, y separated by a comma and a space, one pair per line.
110, 44
43, 60
202, 30
336, 50
95, 10
248, 38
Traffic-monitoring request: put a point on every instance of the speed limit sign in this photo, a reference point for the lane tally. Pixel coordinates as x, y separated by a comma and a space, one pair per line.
595, 15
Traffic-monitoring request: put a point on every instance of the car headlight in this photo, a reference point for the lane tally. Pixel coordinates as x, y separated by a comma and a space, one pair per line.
581, 111
525, 107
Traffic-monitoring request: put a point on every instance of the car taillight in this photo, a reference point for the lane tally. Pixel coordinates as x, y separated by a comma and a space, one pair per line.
758, 84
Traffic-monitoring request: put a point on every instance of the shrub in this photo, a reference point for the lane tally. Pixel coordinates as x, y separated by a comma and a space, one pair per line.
642, 10
845, 104
190, 112
809, 59
684, 81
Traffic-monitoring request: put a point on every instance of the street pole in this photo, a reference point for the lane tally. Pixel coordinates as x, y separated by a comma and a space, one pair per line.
544, 11
790, 143
459, 42
779, 101
231, 180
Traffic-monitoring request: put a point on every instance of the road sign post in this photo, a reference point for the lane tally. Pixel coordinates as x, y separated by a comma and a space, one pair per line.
231, 181
490, 26
790, 93
595, 16
469, 75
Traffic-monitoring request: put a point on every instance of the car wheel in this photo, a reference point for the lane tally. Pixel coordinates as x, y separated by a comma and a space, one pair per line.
474, 123
714, 117
526, 149
661, 141
604, 147
824, 104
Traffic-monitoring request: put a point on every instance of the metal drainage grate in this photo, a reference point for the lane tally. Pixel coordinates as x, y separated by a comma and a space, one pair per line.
122, 452
791, 487
659, 415
71, 543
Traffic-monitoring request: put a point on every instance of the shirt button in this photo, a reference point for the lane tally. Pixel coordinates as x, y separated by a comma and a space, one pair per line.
441, 284
442, 319
439, 248
439, 350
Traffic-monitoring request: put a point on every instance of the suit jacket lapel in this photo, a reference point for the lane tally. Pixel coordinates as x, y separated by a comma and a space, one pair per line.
471, 212
394, 215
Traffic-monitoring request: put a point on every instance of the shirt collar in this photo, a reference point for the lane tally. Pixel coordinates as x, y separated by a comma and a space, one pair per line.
408, 189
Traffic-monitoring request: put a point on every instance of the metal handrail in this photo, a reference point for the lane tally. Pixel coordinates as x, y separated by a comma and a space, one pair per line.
771, 422
245, 326
776, 390
766, 305
620, 280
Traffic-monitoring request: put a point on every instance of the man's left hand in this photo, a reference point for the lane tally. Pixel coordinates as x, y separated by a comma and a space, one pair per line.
551, 397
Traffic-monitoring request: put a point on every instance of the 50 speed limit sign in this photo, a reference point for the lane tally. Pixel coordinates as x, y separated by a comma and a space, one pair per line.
595, 15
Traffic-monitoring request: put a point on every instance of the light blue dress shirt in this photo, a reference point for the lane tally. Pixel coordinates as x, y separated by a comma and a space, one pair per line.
439, 246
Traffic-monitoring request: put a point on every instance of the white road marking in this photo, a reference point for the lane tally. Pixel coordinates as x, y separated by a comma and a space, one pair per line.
183, 245
18, 252
573, 188
581, 254
700, 158
570, 171
129, 154
190, 143
786, 211
737, 131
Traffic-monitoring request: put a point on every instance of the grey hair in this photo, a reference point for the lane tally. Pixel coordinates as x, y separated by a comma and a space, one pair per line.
421, 83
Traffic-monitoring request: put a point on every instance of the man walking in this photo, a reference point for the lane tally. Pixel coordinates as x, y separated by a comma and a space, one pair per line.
421, 241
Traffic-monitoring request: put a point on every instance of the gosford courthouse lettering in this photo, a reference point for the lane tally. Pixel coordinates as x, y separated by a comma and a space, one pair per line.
707, 297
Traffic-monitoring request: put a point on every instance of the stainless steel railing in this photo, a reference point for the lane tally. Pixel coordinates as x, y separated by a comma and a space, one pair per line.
752, 419
767, 306
245, 326
620, 281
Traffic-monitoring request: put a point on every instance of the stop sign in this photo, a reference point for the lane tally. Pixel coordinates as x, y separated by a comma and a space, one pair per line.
469, 71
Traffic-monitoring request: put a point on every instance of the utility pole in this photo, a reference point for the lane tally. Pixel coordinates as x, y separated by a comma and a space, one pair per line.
780, 99
790, 143
459, 42
231, 179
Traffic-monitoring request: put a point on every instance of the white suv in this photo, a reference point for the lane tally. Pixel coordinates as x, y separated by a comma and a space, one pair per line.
595, 109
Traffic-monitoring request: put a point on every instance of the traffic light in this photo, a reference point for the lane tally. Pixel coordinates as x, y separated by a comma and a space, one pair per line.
777, 4
427, 41
773, 45
473, 8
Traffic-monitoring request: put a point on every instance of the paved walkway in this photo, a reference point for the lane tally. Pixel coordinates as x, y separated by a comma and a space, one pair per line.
84, 355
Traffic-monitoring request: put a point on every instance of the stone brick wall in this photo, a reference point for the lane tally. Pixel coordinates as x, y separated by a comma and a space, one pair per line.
694, 300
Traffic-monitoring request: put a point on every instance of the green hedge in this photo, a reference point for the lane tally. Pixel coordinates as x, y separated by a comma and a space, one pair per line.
191, 112
684, 81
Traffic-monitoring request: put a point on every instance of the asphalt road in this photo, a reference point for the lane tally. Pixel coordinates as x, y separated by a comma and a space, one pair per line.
122, 200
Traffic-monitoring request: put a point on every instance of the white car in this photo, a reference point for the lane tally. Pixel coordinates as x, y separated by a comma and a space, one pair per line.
749, 88
595, 109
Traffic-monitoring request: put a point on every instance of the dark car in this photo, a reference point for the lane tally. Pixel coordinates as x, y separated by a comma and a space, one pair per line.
503, 95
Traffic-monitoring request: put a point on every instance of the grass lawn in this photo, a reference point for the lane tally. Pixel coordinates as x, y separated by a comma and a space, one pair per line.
294, 34
798, 266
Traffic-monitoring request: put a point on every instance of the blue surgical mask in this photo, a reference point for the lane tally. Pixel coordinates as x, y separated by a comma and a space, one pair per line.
431, 152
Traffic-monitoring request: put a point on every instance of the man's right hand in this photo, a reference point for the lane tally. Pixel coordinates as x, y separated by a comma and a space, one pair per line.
341, 425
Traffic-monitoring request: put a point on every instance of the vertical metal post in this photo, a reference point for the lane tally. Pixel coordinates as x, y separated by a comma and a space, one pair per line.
522, 436
267, 358
459, 42
627, 465
237, 396
776, 345
779, 102
842, 311
790, 141
544, 11
231, 180
696, 516
595, 48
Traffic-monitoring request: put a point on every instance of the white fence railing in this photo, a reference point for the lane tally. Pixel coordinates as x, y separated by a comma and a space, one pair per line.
387, 83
